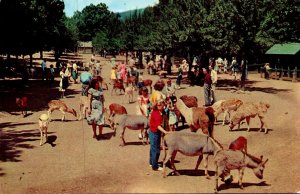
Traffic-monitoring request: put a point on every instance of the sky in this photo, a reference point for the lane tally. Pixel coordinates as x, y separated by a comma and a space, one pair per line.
113, 5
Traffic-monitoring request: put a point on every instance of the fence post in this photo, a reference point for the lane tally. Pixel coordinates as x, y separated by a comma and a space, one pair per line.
295, 75
288, 72
281, 74
275, 72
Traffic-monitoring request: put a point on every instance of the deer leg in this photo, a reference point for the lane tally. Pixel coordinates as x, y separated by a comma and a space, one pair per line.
49, 114
199, 161
248, 123
224, 118
46, 133
216, 177
63, 117
241, 174
41, 131
122, 137
167, 158
206, 165
262, 122
172, 163
143, 136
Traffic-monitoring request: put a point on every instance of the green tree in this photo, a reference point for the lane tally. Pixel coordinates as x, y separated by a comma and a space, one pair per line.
280, 23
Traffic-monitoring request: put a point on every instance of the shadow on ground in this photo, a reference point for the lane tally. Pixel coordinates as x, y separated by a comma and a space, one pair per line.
38, 92
13, 142
236, 185
228, 84
190, 172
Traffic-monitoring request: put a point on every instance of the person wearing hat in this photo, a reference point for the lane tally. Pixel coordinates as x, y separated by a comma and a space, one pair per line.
95, 110
170, 88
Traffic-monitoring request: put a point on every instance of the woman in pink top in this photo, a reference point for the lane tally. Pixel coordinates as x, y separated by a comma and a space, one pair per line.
123, 72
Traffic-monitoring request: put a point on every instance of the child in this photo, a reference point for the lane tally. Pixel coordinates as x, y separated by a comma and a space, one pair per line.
113, 75
172, 116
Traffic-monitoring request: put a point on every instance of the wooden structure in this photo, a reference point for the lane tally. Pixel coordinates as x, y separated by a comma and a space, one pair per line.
85, 47
285, 61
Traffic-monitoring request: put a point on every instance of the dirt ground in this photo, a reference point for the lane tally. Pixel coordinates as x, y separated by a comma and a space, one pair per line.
73, 162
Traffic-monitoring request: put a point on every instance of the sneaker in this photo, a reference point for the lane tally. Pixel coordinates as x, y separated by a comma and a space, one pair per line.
140, 136
158, 169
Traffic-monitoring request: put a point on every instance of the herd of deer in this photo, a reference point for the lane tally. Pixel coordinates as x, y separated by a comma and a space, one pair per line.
190, 144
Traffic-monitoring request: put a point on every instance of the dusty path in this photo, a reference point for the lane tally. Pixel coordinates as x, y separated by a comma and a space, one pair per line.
77, 163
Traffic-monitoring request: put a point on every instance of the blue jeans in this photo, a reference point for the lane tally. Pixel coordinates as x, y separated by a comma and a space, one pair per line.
154, 148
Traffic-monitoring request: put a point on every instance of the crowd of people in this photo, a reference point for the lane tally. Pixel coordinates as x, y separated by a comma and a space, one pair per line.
159, 106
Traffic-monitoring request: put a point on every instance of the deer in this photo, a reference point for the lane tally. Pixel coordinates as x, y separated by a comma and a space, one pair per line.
117, 85
227, 160
22, 104
129, 91
62, 107
239, 144
189, 144
43, 127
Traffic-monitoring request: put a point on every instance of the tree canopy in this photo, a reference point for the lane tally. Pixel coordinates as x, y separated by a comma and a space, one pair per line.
186, 27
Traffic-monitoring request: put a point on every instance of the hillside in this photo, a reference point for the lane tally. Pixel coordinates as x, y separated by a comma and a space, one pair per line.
125, 14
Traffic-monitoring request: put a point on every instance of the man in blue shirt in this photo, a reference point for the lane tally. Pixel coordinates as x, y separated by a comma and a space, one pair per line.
85, 79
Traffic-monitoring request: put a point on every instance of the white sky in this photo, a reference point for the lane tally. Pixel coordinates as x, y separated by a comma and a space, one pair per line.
113, 5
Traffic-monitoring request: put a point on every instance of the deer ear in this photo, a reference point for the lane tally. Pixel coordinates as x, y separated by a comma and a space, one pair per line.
265, 162
261, 157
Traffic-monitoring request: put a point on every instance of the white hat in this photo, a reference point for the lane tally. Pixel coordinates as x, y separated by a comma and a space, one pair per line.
44, 117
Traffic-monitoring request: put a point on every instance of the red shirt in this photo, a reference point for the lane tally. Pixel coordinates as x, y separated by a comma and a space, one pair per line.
155, 120
207, 79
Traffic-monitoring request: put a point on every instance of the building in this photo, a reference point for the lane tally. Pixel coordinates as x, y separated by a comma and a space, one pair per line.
85, 47
285, 55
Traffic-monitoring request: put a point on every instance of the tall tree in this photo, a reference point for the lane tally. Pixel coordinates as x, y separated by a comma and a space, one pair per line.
280, 23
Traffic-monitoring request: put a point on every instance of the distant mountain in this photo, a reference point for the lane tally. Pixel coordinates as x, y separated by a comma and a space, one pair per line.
125, 14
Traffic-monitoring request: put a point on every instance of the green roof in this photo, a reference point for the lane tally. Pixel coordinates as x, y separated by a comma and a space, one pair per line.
284, 49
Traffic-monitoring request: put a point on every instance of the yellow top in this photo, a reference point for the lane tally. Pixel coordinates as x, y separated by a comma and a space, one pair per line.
113, 74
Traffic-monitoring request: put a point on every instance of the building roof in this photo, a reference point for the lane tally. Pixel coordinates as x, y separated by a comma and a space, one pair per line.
85, 44
284, 49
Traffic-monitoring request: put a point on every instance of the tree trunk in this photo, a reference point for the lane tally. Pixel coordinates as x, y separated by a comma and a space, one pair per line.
30, 59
